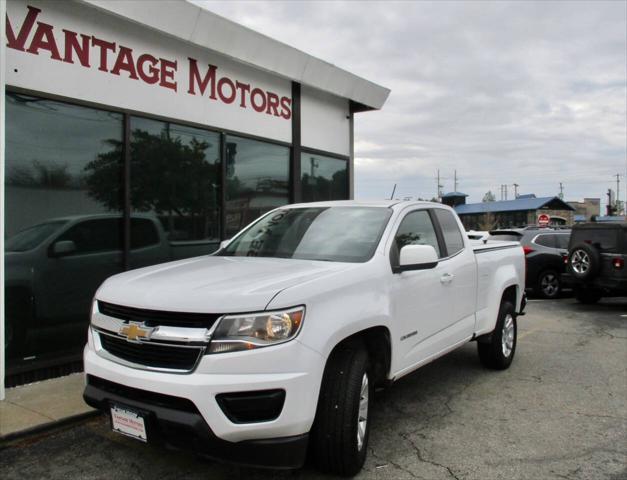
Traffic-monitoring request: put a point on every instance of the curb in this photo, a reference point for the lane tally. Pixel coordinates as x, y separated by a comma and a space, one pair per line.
47, 427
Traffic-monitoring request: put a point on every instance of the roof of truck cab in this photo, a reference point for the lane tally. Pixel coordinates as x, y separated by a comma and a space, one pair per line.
361, 203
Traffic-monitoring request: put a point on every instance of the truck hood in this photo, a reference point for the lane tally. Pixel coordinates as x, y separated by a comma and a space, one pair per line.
213, 284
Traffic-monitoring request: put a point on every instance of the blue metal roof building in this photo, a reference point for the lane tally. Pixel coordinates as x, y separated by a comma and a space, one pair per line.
554, 203
520, 212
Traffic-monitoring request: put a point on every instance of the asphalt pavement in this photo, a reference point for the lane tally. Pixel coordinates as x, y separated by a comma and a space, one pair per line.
559, 412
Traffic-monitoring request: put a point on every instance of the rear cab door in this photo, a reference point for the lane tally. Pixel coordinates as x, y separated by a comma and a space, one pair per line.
460, 267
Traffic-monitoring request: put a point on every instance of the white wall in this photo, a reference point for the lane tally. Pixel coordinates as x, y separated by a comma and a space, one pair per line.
325, 121
41, 72
2, 78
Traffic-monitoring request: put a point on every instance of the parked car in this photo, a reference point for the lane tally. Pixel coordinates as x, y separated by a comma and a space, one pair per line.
275, 342
477, 235
53, 270
545, 250
597, 257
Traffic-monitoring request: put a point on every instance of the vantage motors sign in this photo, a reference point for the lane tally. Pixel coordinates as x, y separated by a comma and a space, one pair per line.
74, 50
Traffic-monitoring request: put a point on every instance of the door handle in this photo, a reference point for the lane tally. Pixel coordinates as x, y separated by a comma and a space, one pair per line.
447, 278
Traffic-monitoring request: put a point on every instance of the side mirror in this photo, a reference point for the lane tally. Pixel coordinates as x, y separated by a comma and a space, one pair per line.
224, 243
416, 257
64, 247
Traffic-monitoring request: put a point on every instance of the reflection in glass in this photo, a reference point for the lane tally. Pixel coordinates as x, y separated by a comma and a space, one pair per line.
58, 250
323, 178
175, 177
256, 180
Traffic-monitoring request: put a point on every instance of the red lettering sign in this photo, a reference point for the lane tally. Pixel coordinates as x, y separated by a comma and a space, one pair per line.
115, 59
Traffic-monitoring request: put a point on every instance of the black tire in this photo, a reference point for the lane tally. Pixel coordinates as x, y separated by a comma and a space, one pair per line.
584, 261
548, 284
491, 349
335, 446
587, 296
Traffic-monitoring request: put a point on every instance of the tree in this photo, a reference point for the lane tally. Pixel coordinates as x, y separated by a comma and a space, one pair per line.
47, 175
175, 180
489, 197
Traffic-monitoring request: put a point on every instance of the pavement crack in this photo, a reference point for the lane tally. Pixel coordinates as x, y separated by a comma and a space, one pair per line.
423, 459
394, 464
598, 415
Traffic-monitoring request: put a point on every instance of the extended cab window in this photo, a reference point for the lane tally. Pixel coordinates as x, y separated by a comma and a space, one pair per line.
417, 229
450, 229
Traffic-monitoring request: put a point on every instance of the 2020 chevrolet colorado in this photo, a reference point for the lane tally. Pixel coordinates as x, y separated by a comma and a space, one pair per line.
275, 342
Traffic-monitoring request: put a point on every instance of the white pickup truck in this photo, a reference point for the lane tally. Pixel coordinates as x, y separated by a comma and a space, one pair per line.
274, 343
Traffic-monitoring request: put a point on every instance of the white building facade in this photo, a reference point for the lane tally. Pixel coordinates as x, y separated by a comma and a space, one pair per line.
139, 132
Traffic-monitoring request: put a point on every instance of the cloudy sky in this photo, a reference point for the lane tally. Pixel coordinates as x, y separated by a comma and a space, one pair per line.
533, 93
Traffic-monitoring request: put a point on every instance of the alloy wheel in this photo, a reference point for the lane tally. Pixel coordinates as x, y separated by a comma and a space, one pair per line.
362, 414
580, 261
549, 284
507, 335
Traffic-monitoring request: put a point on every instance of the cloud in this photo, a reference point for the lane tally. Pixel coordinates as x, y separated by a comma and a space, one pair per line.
533, 93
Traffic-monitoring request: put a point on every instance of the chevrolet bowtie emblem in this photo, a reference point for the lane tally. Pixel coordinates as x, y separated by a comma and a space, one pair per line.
134, 332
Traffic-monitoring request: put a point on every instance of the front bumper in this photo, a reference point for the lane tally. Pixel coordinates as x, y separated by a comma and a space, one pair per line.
174, 422
296, 369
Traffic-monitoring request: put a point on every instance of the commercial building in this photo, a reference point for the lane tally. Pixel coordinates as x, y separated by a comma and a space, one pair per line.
139, 132
586, 210
519, 212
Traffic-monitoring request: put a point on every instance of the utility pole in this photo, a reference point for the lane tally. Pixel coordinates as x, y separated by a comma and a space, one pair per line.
439, 191
617, 192
561, 195
516, 190
455, 182
504, 192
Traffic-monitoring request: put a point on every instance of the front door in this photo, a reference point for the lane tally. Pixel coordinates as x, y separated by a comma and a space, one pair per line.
421, 300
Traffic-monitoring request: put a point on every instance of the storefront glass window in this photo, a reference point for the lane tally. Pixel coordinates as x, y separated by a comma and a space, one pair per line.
323, 178
62, 223
175, 179
257, 180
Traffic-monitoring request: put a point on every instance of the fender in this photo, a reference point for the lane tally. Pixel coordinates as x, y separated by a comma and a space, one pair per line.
505, 277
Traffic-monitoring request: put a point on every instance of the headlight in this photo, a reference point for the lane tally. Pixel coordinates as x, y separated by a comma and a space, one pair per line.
256, 330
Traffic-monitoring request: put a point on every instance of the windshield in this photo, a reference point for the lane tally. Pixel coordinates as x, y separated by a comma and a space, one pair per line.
32, 236
338, 234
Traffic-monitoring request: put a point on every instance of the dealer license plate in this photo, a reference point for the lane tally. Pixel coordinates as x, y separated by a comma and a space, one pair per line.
128, 422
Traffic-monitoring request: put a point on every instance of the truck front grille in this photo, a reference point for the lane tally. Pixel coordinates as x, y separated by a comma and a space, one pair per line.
149, 354
153, 318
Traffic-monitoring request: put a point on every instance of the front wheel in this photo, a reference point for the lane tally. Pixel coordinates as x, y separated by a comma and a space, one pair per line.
342, 426
497, 350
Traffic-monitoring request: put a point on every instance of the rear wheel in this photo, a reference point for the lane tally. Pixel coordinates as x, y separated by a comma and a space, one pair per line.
342, 427
497, 350
549, 285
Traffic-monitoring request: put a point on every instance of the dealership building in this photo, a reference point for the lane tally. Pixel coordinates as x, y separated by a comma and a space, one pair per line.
135, 133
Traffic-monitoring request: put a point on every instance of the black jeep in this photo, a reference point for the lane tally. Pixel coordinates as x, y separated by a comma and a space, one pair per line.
597, 261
